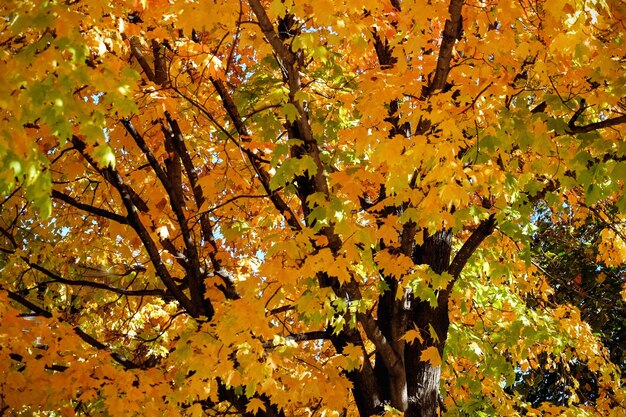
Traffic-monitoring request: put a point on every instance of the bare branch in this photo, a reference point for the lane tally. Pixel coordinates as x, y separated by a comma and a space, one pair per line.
484, 229
86, 283
88, 208
452, 31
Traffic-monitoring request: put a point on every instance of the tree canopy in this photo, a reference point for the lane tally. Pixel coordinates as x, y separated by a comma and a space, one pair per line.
312, 207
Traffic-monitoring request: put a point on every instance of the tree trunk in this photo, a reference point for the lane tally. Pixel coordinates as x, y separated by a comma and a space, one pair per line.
424, 400
423, 379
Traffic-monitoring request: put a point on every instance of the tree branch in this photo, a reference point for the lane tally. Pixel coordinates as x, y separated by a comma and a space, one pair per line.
263, 175
114, 178
314, 335
88, 208
301, 128
176, 136
452, 31
393, 362
109, 175
573, 129
160, 64
135, 50
9, 236
280, 309
101, 346
80, 332
196, 286
80, 282
484, 229
272, 37
302, 337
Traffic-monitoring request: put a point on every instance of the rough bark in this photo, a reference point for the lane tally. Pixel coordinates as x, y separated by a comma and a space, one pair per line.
422, 377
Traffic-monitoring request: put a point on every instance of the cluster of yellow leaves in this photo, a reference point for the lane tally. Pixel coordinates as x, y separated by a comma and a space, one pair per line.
612, 249
482, 154
32, 348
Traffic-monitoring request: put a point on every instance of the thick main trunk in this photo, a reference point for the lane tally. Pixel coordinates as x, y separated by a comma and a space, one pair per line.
416, 390
423, 378
424, 401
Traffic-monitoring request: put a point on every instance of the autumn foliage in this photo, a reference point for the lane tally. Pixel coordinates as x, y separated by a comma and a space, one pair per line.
312, 207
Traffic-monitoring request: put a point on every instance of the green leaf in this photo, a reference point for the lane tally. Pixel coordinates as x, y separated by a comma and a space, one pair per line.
440, 281
593, 194
290, 112
290, 168
104, 155
38, 191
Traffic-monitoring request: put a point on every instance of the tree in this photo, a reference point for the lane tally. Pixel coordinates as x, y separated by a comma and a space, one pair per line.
570, 247
303, 207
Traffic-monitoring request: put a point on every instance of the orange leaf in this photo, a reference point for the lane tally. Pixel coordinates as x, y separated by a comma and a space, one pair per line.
431, 355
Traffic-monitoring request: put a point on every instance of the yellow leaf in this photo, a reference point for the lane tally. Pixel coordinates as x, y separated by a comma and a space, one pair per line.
395, 265
195, 410
431, 355
354, 354
215, 67
254, 405
411, 335
387, 231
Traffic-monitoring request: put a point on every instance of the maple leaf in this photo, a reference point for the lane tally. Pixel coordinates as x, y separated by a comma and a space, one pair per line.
431, 354
254, 405
206, 216
413, 334
354, 354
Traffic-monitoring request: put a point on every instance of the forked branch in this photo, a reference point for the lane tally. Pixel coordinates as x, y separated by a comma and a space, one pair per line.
130, 198
80, 332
